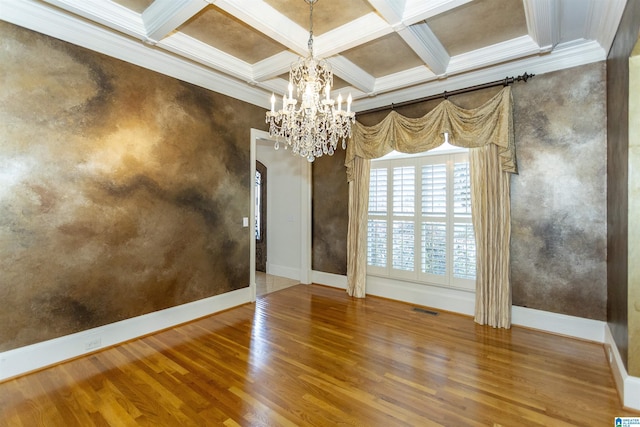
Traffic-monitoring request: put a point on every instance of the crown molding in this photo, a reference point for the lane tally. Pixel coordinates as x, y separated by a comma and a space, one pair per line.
564, 56
494, 54
406, 78
184, 45
107, 13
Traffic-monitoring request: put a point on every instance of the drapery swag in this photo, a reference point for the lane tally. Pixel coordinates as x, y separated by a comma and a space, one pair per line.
488, 132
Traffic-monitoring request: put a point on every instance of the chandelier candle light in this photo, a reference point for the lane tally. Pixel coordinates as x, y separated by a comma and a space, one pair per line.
317, 125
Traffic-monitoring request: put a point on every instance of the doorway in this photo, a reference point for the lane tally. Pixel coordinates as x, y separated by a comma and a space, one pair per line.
287, 218
261, 216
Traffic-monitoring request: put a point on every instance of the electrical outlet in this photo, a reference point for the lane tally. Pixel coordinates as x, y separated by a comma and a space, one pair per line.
92, 343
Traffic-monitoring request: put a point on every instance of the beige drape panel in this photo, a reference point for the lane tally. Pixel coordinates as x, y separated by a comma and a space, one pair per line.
357, 231
491, 212
489, 124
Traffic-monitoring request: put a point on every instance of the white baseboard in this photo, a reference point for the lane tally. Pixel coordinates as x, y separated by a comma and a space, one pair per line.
561, 324
454, 300
36, 356
329, 279
284, 271
627, 385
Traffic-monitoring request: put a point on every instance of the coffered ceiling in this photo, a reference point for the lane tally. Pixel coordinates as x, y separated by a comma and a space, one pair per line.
381, 51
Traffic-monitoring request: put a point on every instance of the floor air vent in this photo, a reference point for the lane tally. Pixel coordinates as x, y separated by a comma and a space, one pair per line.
425, 311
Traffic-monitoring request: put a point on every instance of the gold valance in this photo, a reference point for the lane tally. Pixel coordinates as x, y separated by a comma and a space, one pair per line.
489, 123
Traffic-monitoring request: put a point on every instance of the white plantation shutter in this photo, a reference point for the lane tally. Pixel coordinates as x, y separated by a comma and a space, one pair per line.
461, 189
434, 248
464, 251
419, 224
403, 244
378, 191
377, 234
377, 243
404, 190
434, 189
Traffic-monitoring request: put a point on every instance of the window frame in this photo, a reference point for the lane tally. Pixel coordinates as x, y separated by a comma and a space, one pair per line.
396, 160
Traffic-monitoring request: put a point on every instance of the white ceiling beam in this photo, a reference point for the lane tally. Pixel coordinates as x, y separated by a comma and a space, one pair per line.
391, 10
420, 10
543, 22
352, 74
426, 45
164, 16
404, 18
274, 66
359, 31
268, 21
605, 16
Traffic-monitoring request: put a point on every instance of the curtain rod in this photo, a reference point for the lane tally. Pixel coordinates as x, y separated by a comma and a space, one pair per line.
504, 82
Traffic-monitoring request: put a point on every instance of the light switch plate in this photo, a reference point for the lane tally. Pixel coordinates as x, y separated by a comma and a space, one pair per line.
245, 221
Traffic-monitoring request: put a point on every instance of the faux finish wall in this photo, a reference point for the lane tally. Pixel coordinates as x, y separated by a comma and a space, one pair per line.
558, 200
330, 190
618, 239
122, 191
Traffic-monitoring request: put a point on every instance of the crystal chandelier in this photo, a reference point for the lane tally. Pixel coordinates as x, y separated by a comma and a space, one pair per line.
311, 124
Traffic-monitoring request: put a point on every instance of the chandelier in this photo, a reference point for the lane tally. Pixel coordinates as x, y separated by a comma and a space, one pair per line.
311, 124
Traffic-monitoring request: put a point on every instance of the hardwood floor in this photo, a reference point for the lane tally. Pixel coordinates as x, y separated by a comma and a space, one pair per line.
310, 355
267, 283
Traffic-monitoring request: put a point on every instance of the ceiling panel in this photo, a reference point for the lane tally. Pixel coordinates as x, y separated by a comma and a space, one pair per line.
327, 14
478, 24
383, 56
230, 35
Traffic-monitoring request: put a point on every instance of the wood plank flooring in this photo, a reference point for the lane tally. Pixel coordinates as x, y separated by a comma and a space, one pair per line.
310, 355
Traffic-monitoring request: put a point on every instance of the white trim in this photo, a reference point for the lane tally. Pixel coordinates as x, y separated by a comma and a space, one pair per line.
255, 135
305, 223
329, 279
285, 271
561, 324
627, 385
454, 300
46, 353
303, 272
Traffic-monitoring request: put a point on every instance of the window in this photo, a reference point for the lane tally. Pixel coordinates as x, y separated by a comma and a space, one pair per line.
419, 221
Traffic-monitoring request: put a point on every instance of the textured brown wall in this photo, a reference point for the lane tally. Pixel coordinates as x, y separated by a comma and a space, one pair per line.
122, 190
559, 197
617, 175
329, 211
